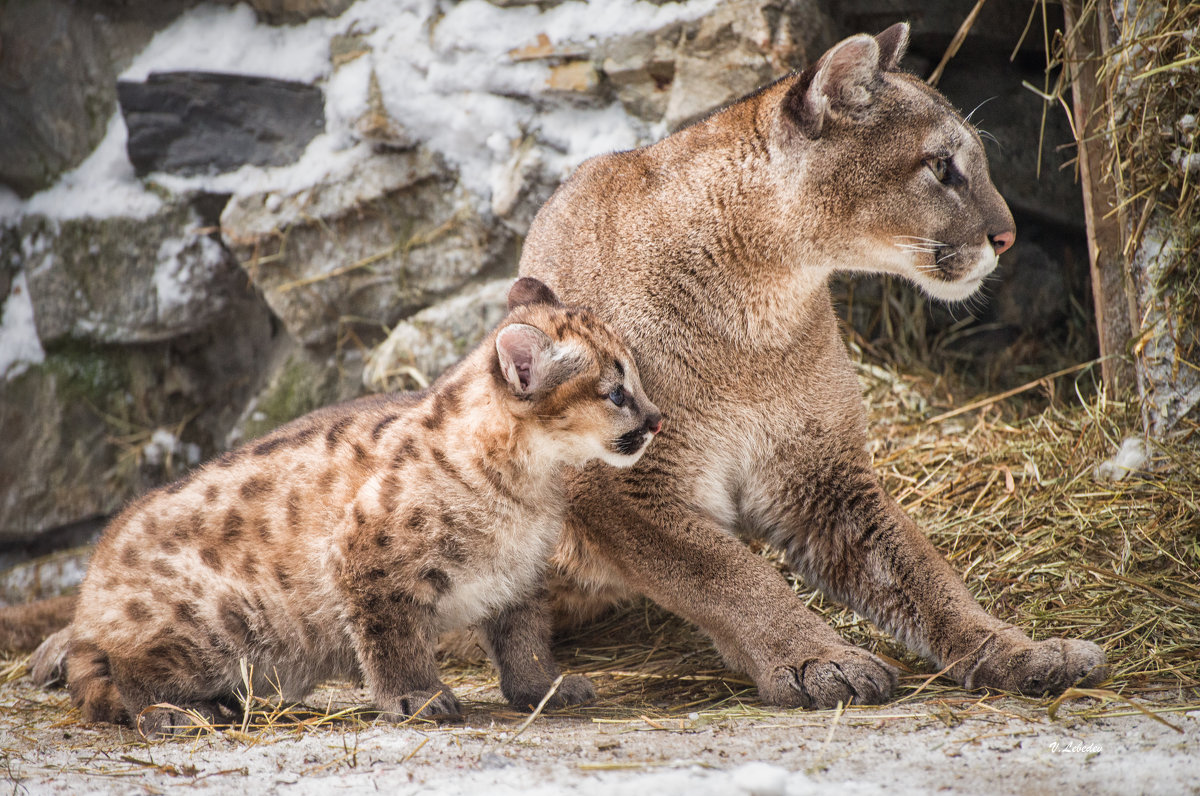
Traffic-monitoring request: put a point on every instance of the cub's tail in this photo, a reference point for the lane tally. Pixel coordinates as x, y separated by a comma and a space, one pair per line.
23, 626
48, 664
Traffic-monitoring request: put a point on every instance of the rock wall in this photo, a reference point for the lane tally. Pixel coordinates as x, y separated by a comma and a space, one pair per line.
255, 266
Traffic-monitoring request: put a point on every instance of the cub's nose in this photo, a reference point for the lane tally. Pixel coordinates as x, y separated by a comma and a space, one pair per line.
1002, 241
653, 424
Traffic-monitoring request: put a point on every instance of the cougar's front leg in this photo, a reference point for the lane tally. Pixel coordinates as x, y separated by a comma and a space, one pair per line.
518, 642
395, 639
843, 533
685, 562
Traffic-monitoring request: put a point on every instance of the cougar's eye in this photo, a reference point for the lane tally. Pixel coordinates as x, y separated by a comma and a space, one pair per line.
940, 168
617, 396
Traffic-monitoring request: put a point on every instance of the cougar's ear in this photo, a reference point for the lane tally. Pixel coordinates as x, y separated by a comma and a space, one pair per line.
892, 42
528, 290
529, 360
837, 83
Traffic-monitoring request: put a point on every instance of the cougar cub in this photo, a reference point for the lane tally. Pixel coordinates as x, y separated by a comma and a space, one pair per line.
345, 541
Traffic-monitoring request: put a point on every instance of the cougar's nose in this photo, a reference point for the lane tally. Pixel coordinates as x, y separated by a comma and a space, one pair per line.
1002, 241
654, 424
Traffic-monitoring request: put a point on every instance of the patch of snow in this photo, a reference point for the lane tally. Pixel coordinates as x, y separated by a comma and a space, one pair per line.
103, 186
445, 74
1131, 457
10, 204
216, 38
164, 445
19, 344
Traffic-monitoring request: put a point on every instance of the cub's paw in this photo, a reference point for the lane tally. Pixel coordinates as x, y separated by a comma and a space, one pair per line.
1014, 662
839, 675
575, 689
438, 704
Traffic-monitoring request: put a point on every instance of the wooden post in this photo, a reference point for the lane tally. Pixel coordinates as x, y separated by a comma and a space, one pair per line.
1113, 296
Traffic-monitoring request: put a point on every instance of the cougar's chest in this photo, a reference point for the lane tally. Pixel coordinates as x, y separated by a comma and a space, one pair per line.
504, 573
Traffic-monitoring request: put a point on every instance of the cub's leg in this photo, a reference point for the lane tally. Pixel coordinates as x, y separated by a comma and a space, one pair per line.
518, 641
395, 638
683, 560
845, 535
118, 686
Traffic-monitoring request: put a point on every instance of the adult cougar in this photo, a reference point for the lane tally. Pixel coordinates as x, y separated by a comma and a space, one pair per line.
710, 251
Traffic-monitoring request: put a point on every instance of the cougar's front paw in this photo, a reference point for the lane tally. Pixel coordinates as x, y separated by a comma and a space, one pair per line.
575, 689
840, 675
1014, 662
439, 704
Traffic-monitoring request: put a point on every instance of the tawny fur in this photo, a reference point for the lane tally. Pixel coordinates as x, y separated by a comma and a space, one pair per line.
343, 543
710, 251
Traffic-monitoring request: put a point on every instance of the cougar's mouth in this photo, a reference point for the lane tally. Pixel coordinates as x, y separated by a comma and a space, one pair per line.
631, 442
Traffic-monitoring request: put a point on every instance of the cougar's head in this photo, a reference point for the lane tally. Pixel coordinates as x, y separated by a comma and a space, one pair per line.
899, 178
572, 379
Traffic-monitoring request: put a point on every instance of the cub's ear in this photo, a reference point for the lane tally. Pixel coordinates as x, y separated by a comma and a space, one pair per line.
839, 82
893, 42
528, 359
528, 290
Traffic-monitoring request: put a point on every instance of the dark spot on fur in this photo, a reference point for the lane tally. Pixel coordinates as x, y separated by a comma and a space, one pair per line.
249, 566
231, 530
446, 466
387, 420
446, 402
336, 431
212, 558
399, 597
255, 487
137, 611
451, 548
293, 510
360, 516
438, 579
389, 488
280, 440
496, 479
234, 620
360, 453
225, 459
407, 450
212, 492
184, 613
382, 539
162, 568
130, 556
283, 576
325, 482
262, 528
377, 573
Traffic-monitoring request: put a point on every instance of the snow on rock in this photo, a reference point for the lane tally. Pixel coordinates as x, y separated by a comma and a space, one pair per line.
19, 344
103, 186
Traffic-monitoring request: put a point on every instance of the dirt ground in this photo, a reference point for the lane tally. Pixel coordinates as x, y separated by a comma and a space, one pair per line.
953, 742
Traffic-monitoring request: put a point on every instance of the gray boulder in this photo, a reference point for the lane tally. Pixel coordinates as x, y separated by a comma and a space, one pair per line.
198, 122
367, 248
123, 280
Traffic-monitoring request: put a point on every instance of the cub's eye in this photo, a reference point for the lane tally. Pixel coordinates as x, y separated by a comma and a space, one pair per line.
617, 396
940, 168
